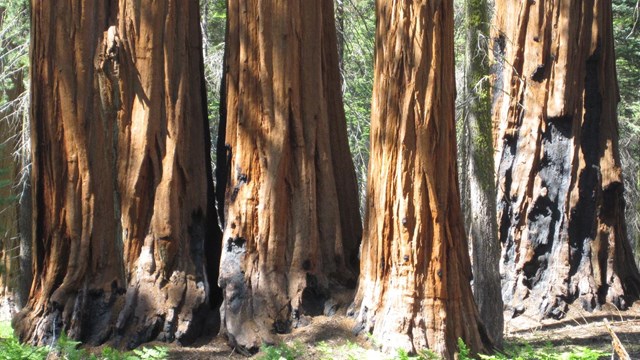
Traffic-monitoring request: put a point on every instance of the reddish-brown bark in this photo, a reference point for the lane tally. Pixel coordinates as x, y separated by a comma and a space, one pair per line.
560, 203
119, 173
292, 226
414, 289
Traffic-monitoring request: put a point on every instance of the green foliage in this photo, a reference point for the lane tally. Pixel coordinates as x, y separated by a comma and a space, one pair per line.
626, 26
348, 351
68, 349
515, 352
14, 46
356, 33
464, 352
526, 352
213, 15
281, 352
425, 354
11, 349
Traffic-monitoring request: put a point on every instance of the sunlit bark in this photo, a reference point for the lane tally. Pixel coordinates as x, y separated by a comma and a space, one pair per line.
119, 173
414, 290
560, 190
292, 225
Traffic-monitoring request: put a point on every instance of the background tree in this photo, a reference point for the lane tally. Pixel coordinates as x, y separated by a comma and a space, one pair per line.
560, 190
414, 289
120, 192
477, 177
15, 262
292, 226
358, 30
627, 42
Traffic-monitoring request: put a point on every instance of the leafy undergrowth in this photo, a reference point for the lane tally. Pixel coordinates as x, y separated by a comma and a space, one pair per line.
352, 351
338, 347
67, 349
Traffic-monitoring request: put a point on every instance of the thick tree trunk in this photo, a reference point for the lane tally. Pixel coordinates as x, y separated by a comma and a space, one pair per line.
292, 226
414, 290
119, 173
477, 179
560, 204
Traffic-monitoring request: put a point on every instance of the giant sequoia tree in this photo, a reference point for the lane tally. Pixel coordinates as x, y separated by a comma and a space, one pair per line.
292, 225
119, 172
560, 204
414, 289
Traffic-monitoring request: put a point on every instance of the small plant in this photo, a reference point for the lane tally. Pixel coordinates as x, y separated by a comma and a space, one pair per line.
68, 349
154, 353
464, 350
347, 351
548, 352
281, 352
428, 354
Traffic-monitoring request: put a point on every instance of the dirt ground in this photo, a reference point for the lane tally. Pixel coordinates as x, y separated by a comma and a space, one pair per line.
332, 338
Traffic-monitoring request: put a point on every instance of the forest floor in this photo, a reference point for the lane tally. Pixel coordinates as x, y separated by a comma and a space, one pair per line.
332, 338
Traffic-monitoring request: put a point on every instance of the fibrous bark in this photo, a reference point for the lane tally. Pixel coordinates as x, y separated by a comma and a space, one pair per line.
477, 179
414, 290
119, 173
292, 226
560, 190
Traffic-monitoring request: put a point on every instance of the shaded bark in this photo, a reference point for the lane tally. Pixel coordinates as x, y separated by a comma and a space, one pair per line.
119, 177
560, 192
292, 226
414, 289
10, 275
477, 179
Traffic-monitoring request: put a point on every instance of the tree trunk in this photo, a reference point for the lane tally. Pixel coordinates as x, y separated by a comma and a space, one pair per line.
119, 173
560, 204
10, 274
12, 93
477, 177
292, 226
414, 290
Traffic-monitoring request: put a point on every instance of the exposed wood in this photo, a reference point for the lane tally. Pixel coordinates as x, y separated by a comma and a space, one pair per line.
560, 190
119, 173
292, 224
414, 289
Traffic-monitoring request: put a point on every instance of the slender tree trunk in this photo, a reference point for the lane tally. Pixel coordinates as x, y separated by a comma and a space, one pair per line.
10, 275
477, 177
560, 192
12, 279
339, 5
414, 290
292, 226
119, 173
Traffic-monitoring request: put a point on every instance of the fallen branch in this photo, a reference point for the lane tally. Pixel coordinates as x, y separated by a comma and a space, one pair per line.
618, 348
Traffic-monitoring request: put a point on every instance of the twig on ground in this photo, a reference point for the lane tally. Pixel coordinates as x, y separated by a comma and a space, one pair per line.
618, 348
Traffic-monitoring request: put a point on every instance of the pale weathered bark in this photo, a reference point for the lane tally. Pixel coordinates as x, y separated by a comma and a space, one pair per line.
477, 178
560, 204
414, 290
119, 173
292, 226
